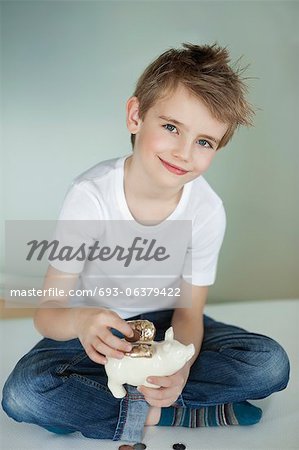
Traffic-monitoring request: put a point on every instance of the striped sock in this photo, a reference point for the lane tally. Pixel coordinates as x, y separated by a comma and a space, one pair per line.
242, 413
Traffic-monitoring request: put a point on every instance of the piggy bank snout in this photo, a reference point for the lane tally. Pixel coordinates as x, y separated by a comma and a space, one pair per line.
186, 352
178, 351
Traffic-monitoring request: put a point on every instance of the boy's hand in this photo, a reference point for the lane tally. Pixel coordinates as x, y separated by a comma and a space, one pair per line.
93, 330
171, 388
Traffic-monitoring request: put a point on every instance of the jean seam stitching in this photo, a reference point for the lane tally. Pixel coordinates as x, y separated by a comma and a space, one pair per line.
89, 382
63, 367
123, 408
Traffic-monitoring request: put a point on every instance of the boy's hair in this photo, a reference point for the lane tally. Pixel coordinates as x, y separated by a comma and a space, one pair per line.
204, 70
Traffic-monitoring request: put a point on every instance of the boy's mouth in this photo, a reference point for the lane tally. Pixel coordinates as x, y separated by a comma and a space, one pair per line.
172, 168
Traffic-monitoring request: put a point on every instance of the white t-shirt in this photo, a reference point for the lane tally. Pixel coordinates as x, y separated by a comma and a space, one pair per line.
192, 234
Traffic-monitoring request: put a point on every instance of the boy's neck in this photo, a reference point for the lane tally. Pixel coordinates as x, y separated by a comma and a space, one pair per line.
148, 205
146, 191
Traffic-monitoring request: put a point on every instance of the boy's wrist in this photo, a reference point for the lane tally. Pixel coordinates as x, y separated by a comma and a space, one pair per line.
78, 315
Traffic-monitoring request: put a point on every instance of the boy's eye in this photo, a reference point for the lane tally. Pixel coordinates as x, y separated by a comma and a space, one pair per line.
204, 143
169, 127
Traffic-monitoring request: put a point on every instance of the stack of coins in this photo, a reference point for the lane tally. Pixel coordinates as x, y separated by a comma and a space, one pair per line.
144, 333
144, 329
140, 351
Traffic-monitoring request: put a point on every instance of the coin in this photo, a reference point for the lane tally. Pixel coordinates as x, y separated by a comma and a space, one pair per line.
140, 351
179, 446
135, 337
139, 446
125, 447
145, 328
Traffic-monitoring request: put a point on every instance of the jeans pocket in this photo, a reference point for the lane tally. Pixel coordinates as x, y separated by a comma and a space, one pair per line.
89, 382
63, 369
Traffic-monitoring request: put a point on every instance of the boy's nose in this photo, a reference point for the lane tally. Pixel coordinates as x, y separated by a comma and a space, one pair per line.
183, 153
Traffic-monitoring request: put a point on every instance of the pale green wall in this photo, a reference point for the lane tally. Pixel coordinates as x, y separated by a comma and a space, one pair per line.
68, 68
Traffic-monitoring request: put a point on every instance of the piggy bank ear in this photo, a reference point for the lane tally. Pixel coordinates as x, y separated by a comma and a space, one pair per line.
169, 334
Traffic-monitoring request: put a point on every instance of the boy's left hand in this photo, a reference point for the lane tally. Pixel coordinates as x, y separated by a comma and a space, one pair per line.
171, 387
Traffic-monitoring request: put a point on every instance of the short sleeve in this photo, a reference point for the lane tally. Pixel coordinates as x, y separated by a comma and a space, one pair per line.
202, 255
77, 228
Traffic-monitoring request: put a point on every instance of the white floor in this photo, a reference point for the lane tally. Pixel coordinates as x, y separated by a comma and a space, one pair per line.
278, 428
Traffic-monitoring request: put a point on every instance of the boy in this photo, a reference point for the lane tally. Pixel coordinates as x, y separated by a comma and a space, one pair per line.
186, 107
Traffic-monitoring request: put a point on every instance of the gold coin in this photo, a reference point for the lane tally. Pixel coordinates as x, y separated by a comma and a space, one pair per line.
135, 337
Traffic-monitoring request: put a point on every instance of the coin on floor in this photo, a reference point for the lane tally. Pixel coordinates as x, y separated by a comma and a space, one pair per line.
139, 446
179, 446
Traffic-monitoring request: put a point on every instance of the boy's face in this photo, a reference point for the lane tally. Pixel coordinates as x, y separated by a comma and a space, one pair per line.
173, 153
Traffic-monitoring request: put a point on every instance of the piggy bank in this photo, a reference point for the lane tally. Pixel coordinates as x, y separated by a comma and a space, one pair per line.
168, 357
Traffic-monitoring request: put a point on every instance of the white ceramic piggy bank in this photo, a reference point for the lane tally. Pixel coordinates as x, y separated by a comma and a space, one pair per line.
168, 357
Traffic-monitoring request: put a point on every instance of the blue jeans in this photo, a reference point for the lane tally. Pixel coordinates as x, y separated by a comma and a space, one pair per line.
58, 387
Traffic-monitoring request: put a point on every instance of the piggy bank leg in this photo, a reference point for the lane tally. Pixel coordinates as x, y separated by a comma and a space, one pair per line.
117, 389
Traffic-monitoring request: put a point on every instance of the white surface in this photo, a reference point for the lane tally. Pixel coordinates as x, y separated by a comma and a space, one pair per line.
278, 428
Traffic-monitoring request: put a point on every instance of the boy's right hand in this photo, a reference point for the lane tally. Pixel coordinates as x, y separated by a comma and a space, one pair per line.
93, 330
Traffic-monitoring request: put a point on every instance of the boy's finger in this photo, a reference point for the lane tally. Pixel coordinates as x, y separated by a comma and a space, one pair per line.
150, 392
165, 403
95, 356
158, 394
122, 326
117, 343
160, 381
106, 350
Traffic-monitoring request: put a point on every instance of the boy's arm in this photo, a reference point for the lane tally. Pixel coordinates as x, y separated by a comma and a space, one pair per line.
188, 328
54, 319
92, 326
187, 323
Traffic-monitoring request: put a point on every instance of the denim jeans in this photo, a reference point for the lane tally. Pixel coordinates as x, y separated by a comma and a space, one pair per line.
58, 387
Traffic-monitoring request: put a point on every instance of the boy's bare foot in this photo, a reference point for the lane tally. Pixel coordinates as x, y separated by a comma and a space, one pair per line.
153, 416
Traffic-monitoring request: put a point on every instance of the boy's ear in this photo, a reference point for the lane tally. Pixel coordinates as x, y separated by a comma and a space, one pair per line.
132, 112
